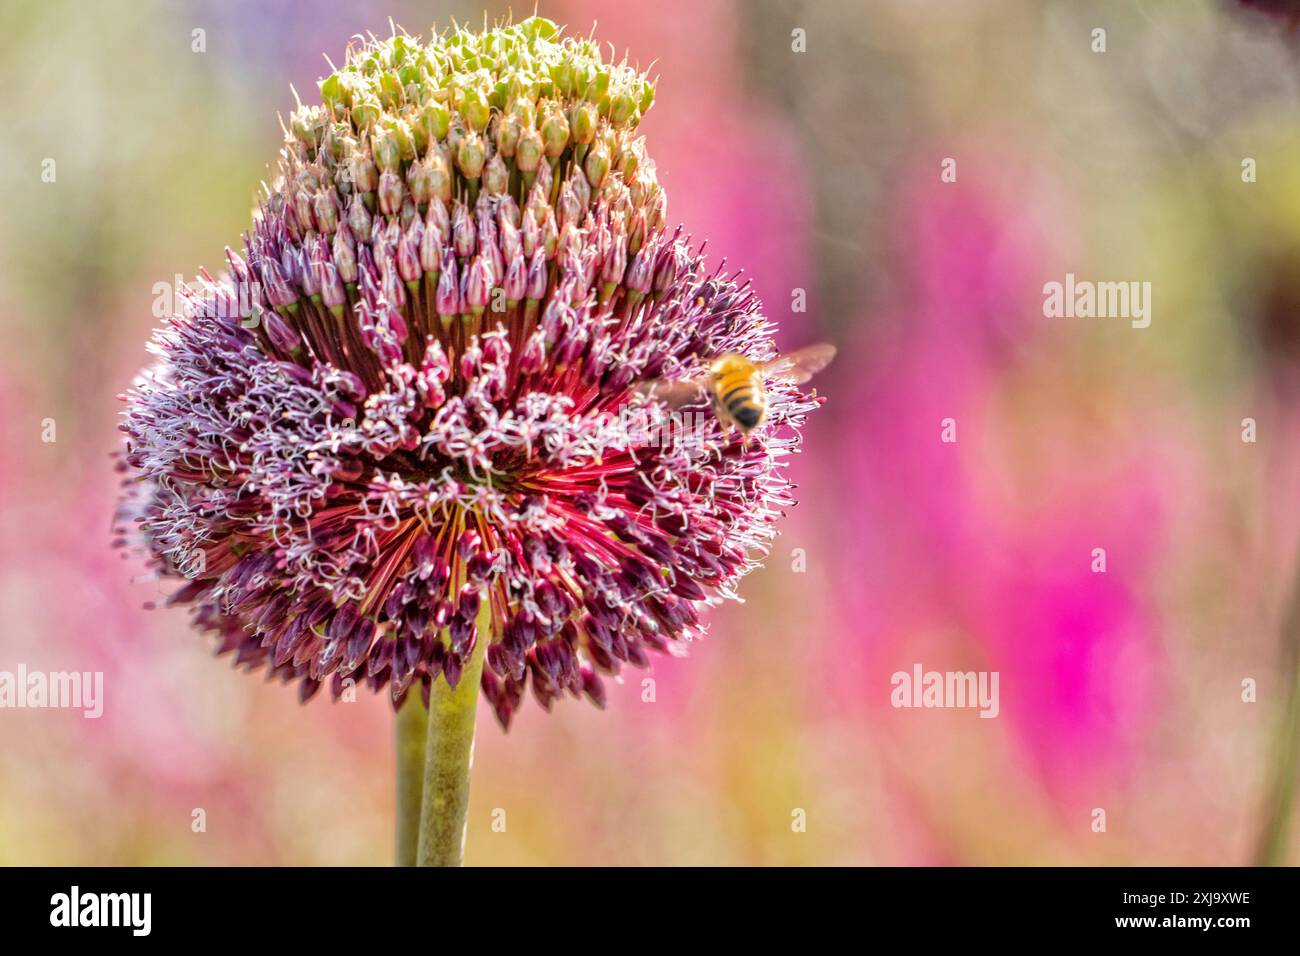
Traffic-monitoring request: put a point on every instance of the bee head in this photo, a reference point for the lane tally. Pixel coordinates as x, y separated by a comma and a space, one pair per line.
747, 418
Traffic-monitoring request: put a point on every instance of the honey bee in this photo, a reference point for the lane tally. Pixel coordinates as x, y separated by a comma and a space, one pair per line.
736, 386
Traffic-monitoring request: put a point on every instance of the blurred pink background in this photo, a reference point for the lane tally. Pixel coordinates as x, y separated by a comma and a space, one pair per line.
817, 171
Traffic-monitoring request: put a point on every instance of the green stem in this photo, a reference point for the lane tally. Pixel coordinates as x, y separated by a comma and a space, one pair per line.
411, 727
1273, 842
448, 756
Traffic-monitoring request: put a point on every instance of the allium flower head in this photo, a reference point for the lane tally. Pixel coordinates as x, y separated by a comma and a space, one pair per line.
403, 414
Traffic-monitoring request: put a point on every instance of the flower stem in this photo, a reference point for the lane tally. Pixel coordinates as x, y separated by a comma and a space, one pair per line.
448, 756
1273, 842
410, 728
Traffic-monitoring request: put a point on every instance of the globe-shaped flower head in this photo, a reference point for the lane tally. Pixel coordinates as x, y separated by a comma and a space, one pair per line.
403, 434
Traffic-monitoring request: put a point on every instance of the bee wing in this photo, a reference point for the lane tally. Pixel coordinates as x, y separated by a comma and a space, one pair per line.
800, 365
673, 392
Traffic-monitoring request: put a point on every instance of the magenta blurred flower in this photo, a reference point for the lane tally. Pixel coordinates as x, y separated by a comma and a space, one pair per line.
949, 547
402, 413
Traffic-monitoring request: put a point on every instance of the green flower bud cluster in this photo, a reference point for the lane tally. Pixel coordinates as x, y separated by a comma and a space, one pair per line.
403, 123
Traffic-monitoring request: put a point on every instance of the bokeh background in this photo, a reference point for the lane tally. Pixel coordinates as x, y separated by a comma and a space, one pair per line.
817, 171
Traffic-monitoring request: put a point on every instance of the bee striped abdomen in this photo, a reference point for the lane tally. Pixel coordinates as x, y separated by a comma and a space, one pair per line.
739, 395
